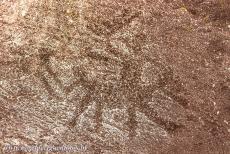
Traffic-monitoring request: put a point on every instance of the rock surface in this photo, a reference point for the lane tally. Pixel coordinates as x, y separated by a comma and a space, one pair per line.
117, 76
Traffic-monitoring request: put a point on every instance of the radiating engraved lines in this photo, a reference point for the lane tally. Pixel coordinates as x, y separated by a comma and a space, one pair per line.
95, 92
90, 89
45, 67
47, 86
169, 126
81, 79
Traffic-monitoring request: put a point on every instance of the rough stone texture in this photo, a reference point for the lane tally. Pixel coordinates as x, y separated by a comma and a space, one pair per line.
120, 76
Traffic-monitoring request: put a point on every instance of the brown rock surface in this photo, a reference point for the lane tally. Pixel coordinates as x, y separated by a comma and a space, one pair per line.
118, 76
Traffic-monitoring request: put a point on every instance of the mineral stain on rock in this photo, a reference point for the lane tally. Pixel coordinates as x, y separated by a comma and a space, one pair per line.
118, 76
